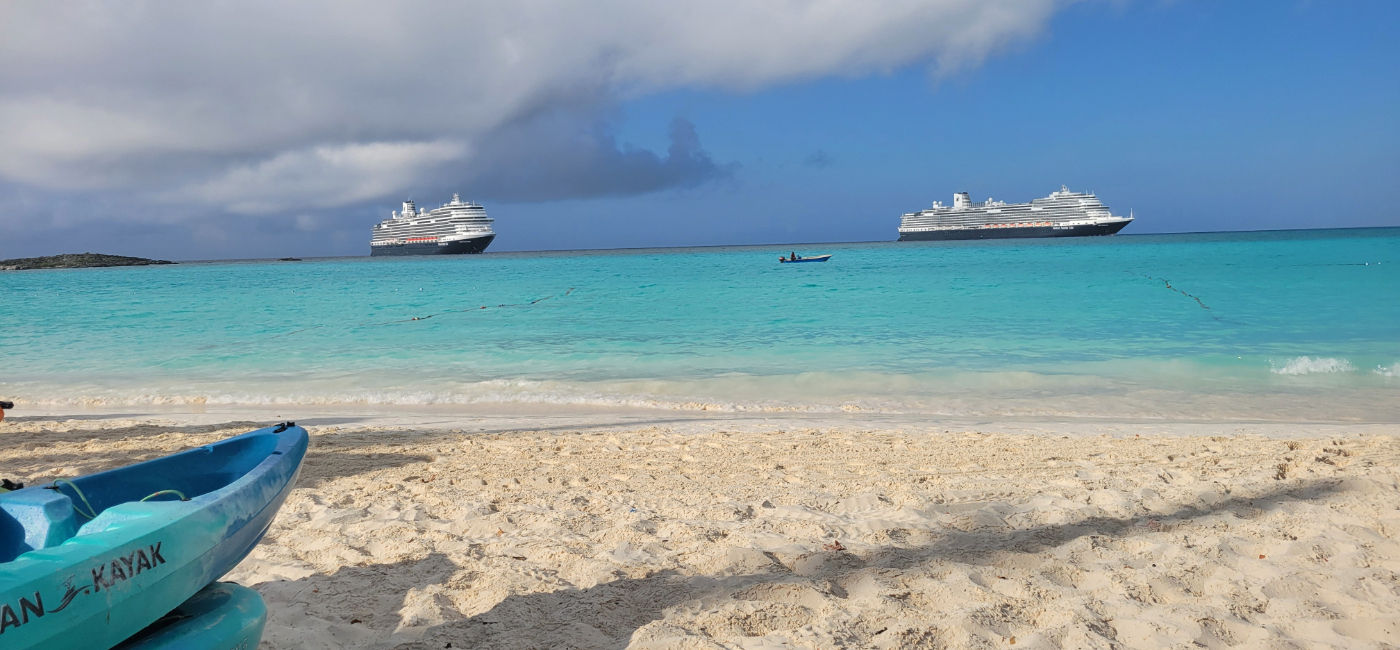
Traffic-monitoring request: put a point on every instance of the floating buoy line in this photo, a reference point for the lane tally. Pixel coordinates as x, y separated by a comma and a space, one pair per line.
410, 319
459, 311
1168, 284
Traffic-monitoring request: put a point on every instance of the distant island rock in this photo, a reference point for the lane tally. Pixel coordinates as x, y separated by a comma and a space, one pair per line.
74, 261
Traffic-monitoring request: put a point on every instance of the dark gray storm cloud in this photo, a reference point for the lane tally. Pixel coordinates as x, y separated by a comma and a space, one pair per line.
549, 159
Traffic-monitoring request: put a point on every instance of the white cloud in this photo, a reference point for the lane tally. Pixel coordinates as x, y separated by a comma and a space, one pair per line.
307, 223
59, 143
263, 105
321, 177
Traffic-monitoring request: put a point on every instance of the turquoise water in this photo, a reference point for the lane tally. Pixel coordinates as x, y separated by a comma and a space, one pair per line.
1262, 325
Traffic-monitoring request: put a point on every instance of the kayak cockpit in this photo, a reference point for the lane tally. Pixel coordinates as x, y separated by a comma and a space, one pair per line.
44, 516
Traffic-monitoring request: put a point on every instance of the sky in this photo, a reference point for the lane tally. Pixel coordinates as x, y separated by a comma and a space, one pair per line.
262, 129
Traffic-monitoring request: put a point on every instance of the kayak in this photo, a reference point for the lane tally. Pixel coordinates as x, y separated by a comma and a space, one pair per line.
90, 561
222, 615
818, 258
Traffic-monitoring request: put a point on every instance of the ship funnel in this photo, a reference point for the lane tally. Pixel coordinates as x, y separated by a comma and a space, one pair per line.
961, 201
409, 209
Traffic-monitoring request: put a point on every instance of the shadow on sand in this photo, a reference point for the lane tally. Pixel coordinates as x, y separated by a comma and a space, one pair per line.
48, 454
348, 454
608, 614
329, 457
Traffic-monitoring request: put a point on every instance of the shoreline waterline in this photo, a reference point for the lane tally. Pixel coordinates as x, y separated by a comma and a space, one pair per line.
510, 419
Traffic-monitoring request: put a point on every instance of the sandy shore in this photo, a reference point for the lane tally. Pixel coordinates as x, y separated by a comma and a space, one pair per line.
649, 531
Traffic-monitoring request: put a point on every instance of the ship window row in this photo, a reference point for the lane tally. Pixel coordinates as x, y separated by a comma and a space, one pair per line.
440, 229
429, 234
428, 224
1000, 217
924, 221
476, 218
982, 217
458, 215
1038, 209
1070, 207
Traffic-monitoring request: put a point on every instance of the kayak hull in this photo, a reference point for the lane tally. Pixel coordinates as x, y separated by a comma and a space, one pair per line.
222, 615
66, 583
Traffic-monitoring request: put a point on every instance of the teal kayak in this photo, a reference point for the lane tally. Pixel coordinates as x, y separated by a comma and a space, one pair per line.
88, 562
222, 615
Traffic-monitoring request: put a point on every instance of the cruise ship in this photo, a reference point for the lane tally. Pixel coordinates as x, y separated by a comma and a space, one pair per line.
1062, 214
456, 227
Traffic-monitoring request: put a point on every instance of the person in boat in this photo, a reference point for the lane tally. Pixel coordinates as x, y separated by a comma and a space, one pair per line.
794, 256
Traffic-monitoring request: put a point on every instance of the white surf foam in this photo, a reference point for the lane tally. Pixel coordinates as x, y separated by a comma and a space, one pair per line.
1312, 366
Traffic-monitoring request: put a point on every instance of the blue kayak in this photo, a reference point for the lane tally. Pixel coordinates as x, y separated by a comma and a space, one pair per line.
90, 561
816, 258
222, 615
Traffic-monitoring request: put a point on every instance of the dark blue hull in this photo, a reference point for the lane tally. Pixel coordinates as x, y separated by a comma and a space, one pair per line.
1014, 233
476, 245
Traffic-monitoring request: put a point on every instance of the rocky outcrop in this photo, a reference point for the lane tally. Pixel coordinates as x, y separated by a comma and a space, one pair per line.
75, 261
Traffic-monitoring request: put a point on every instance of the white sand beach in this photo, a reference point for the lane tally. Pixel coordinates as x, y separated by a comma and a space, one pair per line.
668, 530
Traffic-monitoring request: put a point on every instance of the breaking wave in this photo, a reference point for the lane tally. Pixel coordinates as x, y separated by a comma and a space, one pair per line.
1312, 366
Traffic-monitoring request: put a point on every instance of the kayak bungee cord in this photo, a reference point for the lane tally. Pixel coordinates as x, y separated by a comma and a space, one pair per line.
91, 513
174, 492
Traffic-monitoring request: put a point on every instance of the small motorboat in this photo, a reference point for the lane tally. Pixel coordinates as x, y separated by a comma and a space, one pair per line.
798, 260
90, 561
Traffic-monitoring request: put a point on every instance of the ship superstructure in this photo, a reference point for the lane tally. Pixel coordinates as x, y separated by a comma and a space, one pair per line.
456, 227
1062, 214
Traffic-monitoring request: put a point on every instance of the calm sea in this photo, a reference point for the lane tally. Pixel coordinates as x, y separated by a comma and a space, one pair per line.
1273, 325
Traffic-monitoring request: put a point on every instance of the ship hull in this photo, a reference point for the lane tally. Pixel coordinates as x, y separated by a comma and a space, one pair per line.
461, 247
1014, 233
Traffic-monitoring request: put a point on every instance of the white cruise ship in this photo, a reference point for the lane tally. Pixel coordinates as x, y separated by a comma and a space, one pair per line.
1062, 214
456, 227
